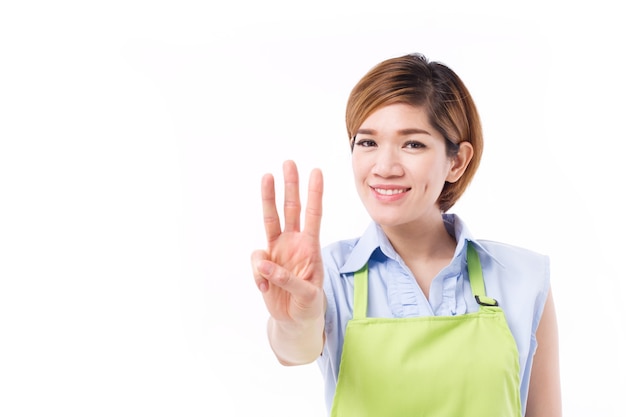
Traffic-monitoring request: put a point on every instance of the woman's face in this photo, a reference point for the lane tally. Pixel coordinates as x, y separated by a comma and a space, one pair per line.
400, 165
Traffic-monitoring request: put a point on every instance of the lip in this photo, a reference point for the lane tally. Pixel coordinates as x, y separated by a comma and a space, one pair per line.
389, 193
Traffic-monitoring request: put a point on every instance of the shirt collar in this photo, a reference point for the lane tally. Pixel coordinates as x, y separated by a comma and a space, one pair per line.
374, 238
461, 232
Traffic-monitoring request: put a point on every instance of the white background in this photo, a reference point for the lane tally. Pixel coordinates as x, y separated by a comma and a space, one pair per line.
133, 136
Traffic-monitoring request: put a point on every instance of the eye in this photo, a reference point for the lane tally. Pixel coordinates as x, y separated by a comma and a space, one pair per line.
366, 143
414, 145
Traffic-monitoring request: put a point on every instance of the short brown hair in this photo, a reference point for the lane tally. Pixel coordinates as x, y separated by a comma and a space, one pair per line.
414, 80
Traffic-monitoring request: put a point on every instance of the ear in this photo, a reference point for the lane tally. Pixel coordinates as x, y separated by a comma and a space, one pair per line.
460, 161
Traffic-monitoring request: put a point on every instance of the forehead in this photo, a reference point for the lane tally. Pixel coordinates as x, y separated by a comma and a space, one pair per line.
397, 117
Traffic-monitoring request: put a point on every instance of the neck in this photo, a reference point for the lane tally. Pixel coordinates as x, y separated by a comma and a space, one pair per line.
424, 240
425, 246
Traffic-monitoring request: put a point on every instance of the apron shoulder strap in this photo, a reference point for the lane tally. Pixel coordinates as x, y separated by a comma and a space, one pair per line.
360, 293
476, 277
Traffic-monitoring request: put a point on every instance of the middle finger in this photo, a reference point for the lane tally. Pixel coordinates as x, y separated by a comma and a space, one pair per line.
292, 197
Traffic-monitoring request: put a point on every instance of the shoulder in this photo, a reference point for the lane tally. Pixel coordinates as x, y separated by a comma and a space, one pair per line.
512, 257
349, 255
520, 276
508, 252
335, 254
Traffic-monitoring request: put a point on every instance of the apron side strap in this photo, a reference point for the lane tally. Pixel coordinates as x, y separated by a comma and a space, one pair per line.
476, 277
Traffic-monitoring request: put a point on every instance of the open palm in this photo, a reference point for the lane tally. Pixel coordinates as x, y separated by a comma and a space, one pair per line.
290, 272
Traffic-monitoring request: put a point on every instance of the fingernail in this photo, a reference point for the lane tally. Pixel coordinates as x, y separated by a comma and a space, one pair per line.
263, 286
265, 268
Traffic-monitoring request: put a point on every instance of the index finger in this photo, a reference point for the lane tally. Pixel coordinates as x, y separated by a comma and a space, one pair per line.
313, 213
270, 213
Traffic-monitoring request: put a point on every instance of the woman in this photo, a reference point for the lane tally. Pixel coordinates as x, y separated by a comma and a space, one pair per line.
415, 317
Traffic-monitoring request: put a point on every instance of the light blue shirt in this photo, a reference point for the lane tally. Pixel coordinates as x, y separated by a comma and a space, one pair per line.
517, 278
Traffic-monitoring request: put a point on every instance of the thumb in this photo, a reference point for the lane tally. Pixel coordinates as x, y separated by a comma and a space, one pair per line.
260, 269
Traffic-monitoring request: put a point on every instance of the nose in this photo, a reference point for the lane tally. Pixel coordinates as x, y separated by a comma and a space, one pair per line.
387, 163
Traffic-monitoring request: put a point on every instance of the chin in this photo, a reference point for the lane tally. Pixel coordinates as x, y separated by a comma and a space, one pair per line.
388, 221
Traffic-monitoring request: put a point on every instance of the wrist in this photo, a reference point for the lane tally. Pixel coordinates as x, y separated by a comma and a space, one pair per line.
296, 343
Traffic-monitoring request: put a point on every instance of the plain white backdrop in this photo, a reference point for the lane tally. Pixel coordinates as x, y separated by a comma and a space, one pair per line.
133, 136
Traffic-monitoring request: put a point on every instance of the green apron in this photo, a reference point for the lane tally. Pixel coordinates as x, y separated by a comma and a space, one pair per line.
435, 366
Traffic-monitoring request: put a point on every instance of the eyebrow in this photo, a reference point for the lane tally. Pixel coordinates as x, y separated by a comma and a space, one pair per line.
404, 132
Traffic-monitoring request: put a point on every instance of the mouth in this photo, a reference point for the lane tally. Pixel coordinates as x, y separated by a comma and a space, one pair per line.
390, 191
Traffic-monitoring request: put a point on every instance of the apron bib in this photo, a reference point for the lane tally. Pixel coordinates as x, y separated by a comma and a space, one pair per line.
435, 366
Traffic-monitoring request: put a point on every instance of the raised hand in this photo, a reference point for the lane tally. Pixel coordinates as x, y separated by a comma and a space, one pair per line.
289, 273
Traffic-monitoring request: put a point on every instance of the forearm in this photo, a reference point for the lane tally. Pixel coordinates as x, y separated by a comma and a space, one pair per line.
296, 344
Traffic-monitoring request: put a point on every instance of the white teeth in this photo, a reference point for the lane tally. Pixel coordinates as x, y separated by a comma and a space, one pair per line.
389, 192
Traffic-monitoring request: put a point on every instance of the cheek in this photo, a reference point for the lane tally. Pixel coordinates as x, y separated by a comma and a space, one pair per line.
424, 169
358, 168
431, 173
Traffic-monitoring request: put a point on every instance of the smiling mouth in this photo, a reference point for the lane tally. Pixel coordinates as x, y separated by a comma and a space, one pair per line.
392, 191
